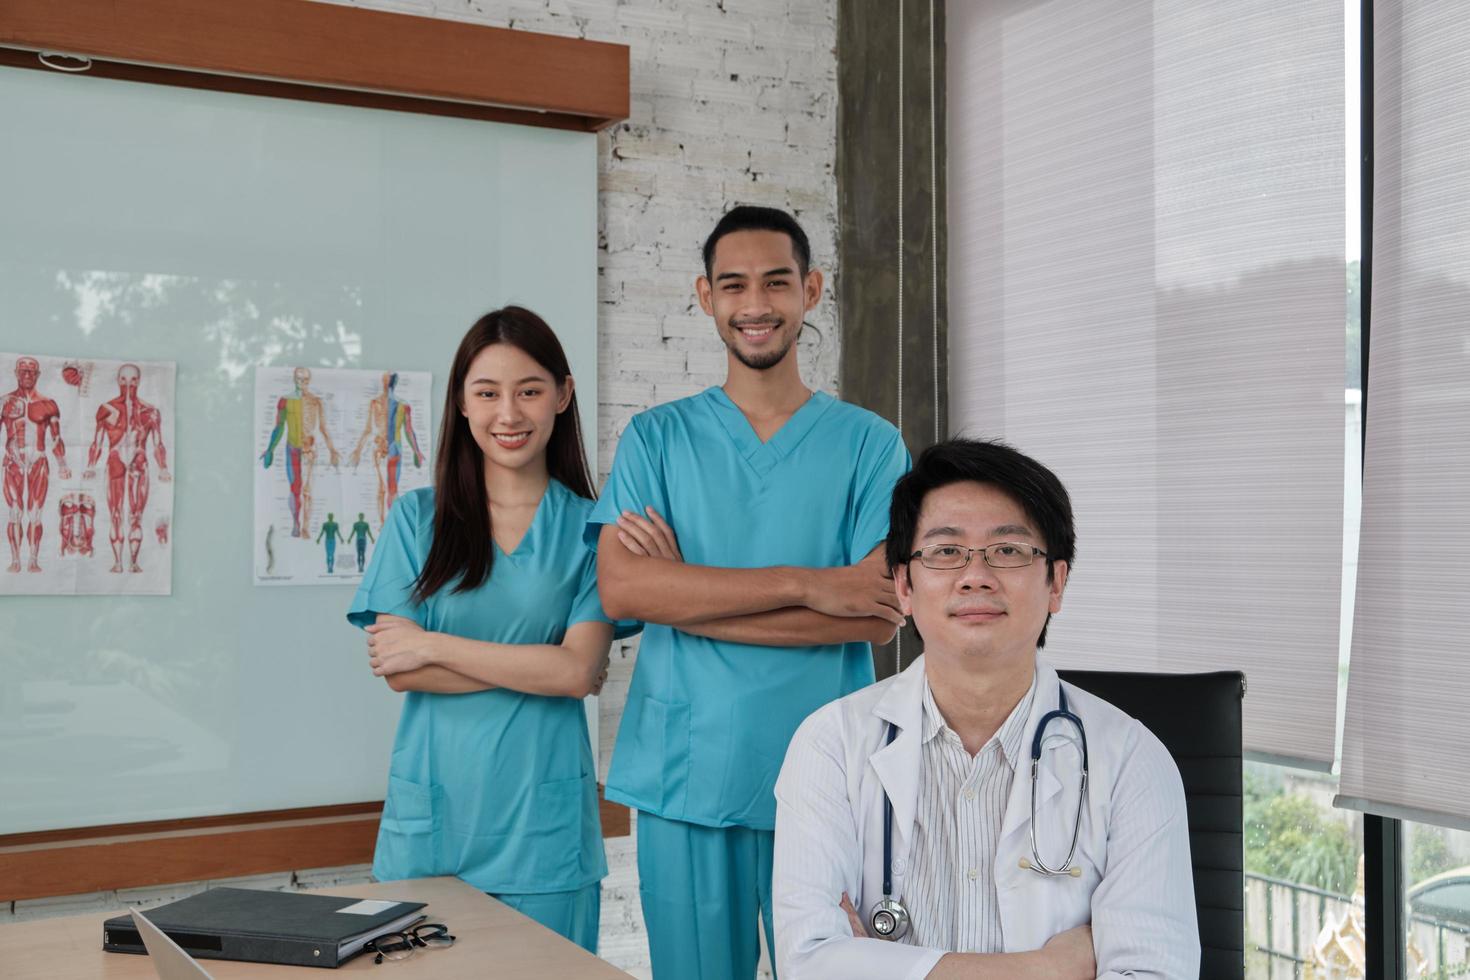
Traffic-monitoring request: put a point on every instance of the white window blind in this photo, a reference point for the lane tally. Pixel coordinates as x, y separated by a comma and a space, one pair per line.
1406, 734
1147, 294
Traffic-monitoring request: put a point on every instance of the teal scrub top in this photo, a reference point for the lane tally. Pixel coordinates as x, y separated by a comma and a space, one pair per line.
496, 787
707, 722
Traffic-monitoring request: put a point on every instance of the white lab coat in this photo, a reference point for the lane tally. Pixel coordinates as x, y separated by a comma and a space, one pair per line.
1136, 888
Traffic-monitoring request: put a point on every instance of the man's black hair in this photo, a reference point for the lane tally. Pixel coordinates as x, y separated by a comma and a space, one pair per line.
1033, 486
748, 217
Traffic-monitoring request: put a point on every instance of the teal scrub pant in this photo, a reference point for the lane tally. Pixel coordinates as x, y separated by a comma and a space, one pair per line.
701, 889
573, 914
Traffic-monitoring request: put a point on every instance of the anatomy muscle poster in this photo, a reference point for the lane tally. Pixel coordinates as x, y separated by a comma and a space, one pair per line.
88, 475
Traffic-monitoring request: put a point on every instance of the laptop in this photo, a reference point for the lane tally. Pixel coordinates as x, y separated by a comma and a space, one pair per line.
169, 960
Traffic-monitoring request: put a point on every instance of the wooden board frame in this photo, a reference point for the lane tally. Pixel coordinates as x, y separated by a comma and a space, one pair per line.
161, 852
331, 53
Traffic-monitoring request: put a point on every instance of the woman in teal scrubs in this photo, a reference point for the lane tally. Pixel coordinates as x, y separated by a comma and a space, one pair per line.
481, 603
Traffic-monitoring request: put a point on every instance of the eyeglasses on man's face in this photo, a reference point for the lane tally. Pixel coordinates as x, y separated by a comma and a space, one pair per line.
1002, 554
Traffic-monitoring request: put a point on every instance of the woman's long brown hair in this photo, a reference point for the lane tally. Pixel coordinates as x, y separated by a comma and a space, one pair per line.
462, 548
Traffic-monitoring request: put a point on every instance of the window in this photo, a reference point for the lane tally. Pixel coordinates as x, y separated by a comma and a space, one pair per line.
1437, 893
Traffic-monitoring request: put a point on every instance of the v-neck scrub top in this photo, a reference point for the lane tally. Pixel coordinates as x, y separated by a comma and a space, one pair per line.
496, 787
707, 722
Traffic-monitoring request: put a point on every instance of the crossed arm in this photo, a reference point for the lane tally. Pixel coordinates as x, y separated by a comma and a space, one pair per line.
642, 575
819, 858
411, 658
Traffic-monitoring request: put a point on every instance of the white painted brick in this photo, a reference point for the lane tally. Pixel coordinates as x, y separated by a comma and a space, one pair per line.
710, 363
684, 185
620, 323
665, 362
693, 54
755, 65
640, 111
534, 11
649, 19
541, 24
812, 132
708, 342
599, 10
795, 98
672, 390
701, 382
611, 420
688, 325
724, 90
793, 39
618, 392
417, 8
635, 166
622, 209
491, 13
687, 260
661, 216
804, 201
654, 293
622, 181
789, 161
756, 124
763, 193
680, 117
721, 26
757, 9
817, 14
721, 156
608, 32
809, 67
649, 78
632, 145
623, 231
621, 261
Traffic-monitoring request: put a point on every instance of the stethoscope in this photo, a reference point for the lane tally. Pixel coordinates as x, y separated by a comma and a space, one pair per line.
890, 918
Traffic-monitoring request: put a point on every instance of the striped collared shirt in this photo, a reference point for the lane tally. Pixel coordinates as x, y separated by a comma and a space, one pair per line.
962, 801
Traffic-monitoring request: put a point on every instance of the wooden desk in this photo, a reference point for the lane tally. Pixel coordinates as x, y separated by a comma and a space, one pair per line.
492, 940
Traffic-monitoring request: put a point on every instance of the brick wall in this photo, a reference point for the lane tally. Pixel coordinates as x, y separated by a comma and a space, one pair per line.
733, 102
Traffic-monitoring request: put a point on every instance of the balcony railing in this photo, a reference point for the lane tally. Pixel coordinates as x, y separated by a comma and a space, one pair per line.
1284, 918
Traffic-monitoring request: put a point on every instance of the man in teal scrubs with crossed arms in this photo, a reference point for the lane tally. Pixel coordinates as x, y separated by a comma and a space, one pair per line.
745, 526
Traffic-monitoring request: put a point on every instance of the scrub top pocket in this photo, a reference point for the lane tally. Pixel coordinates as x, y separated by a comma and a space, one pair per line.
555, 820
409, 835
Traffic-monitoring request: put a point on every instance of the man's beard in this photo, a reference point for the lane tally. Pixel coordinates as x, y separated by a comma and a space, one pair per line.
763, 361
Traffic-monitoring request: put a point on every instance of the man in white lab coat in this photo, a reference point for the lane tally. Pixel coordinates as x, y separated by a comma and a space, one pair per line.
995, 868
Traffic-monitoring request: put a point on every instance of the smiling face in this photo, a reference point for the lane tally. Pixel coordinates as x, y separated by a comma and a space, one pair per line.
978, 612
758, 296
511, 403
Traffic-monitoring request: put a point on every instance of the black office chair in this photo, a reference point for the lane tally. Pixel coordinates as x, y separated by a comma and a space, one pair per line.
1197, 717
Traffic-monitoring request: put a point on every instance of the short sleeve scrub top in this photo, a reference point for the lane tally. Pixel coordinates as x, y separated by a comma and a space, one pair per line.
495, 787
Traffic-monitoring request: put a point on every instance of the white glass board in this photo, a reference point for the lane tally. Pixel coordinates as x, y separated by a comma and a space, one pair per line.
223, 233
